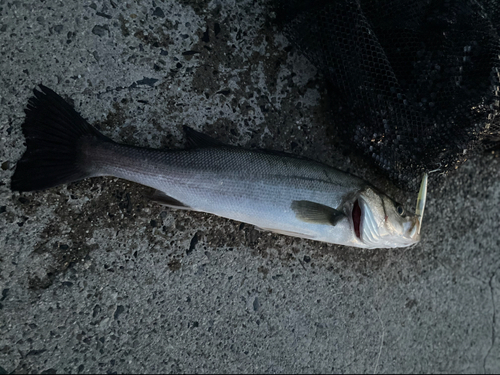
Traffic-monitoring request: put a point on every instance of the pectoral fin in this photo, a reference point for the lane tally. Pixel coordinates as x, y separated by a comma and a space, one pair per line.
316, 213
166, 200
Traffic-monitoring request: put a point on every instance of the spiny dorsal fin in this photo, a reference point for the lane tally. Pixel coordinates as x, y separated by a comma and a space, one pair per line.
316, 213
199, 140
164, 199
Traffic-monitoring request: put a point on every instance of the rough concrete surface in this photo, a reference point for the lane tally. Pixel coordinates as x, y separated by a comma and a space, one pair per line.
96, 278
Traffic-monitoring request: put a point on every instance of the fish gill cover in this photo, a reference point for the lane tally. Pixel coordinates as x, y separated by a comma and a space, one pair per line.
415, 84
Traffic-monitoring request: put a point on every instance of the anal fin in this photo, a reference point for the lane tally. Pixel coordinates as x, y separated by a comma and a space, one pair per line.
287, 232
166, 200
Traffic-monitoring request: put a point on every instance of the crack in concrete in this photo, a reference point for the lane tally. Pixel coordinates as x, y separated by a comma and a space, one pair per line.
493, 323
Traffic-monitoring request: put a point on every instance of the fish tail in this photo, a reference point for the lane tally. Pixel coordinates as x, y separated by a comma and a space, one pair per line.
55, 134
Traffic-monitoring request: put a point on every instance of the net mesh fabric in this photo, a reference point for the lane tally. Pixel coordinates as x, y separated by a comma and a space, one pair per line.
415, 84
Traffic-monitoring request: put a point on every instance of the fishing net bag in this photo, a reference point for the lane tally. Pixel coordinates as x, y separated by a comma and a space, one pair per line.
414, 84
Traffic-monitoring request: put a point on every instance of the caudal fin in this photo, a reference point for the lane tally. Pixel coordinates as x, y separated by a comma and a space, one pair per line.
54, 134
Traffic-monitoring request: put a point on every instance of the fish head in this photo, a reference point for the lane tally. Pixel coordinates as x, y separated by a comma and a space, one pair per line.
380, 222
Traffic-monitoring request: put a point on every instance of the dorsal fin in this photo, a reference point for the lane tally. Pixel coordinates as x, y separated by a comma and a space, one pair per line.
199, 140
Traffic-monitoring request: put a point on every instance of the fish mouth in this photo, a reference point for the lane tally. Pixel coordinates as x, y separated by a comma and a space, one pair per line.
356, 218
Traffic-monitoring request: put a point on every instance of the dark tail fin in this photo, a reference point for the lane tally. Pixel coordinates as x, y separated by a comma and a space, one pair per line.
54, 134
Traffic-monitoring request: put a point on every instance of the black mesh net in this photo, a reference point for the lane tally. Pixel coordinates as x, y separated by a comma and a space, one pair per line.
415, 83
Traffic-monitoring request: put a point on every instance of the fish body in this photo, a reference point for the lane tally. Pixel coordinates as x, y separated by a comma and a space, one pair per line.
275, 192
248, 186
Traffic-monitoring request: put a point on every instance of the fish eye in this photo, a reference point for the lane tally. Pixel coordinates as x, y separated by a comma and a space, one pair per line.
400, 210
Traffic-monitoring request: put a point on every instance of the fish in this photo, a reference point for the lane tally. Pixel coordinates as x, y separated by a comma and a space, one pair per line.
275, 192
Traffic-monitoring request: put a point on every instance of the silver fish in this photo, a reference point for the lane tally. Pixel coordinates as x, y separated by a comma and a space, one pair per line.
275, 192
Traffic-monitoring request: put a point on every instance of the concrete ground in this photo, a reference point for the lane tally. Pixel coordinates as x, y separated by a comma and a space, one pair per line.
96, 278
